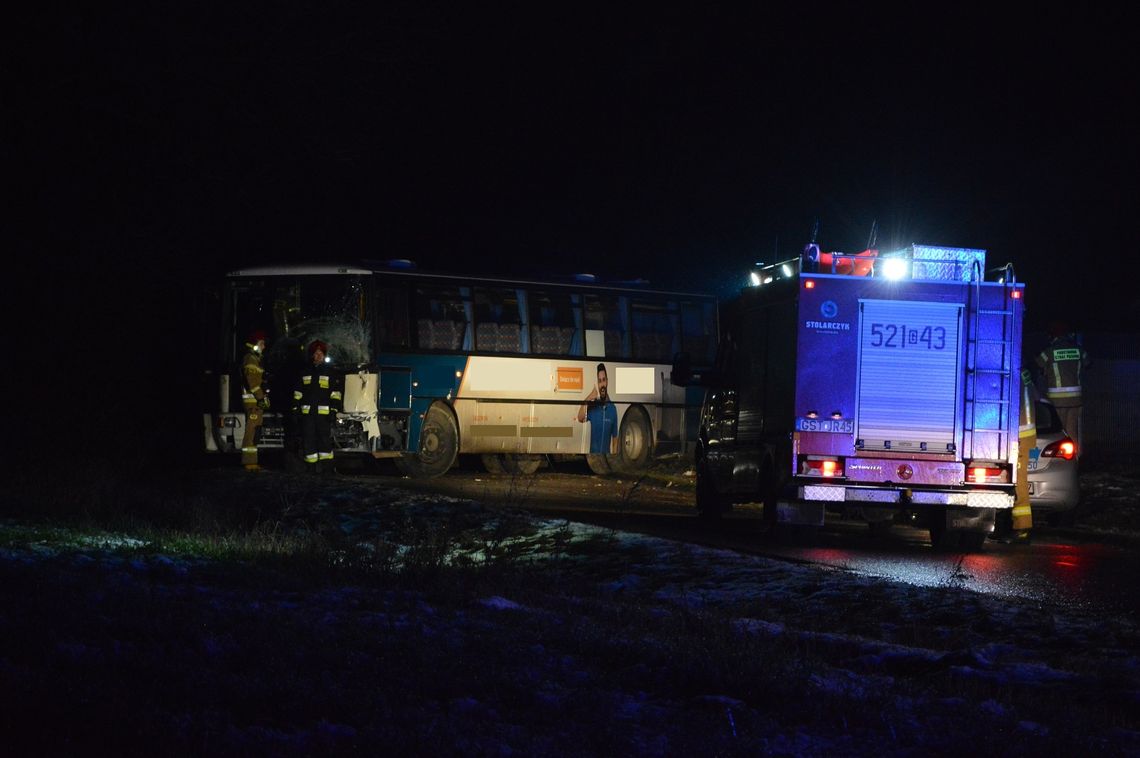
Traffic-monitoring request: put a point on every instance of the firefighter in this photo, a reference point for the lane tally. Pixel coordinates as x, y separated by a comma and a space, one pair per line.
317, 398
254, 398
1062, 364
1026, 441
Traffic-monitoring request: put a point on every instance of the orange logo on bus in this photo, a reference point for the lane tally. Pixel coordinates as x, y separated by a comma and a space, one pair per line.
569, 379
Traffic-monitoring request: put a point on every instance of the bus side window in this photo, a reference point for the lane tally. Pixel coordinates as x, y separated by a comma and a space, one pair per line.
441, 319
654, 330
603, 313
394, 325
497, 324
697, 322
551, 323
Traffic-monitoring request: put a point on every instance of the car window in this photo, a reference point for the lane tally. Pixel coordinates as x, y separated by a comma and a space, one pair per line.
1048, 422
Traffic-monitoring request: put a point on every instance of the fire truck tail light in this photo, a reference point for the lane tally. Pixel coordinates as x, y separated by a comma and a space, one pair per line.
987, 474
821, 466
1065, 448
809, 284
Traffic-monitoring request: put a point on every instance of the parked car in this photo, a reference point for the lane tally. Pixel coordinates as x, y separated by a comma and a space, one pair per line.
1054, 487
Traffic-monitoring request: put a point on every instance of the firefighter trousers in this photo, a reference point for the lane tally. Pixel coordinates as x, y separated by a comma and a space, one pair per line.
1071, 420
1022, 513
253, 418
316, 438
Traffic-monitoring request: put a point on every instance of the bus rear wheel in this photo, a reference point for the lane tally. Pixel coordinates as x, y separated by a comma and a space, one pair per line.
634, 443
599, 464
439, 445
521, 463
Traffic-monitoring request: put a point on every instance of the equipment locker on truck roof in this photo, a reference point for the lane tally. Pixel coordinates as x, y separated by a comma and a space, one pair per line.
882, 386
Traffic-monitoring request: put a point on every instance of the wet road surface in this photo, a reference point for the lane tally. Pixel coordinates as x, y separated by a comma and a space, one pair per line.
1060, 567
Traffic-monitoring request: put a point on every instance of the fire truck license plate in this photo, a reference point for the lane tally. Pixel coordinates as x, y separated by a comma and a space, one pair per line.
837, 425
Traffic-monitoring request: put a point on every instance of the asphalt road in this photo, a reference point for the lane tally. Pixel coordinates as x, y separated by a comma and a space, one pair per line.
1060, 567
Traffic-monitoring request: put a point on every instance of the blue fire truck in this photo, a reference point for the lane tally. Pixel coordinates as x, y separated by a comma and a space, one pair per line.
881, 386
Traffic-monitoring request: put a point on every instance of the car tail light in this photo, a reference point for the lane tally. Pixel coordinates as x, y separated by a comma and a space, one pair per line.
1065, 448
821, 466
987, 473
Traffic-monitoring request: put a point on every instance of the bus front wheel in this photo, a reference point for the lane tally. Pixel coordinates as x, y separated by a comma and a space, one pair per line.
439, 445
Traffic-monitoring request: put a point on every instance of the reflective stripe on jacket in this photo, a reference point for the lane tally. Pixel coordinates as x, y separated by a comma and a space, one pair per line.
1062, 363
319, 391
251, 377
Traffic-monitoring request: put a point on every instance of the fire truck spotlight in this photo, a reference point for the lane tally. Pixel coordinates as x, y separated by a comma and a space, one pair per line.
894, 268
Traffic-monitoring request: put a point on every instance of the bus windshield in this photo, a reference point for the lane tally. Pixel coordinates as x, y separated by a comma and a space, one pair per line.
295, 310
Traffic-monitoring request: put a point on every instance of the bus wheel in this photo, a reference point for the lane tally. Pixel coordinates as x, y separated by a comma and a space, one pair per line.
599, 464
493, 462
634, 443
438, 446
521, 463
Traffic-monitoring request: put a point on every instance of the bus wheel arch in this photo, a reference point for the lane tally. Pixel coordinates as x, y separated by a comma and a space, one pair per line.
439, 444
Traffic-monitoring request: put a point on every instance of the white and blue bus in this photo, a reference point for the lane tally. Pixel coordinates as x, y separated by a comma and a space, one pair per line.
441, 365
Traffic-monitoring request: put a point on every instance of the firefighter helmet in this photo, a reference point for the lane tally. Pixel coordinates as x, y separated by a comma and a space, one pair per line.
316, 345
256, 336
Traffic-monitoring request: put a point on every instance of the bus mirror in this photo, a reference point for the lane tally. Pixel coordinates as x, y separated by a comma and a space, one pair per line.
682, 373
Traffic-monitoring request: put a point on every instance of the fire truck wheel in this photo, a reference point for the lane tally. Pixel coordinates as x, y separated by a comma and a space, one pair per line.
711, 505
880, 529
492, 462
439, 446
971, 542
941, 538
521, 463
769, 491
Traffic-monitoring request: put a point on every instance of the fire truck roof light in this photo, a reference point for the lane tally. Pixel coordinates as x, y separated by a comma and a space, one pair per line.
894, 268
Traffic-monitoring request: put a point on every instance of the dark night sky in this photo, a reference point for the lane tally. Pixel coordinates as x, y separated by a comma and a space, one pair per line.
167, 145
667, 146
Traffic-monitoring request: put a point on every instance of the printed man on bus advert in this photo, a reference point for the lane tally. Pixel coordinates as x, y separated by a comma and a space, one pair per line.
600, 411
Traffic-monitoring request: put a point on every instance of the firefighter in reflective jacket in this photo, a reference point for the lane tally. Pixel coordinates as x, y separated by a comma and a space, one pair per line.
254, 398
1062, 363
317, 398
1026, 441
